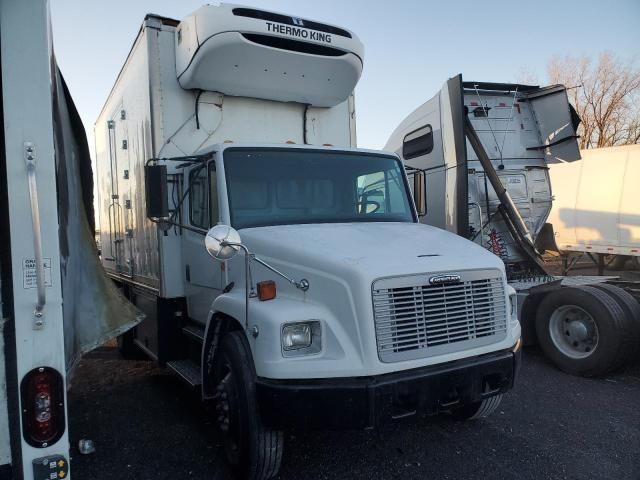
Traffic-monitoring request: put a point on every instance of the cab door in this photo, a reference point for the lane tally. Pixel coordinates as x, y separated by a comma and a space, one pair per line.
203, 275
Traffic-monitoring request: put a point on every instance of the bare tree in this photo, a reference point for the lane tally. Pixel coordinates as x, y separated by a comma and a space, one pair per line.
605, 94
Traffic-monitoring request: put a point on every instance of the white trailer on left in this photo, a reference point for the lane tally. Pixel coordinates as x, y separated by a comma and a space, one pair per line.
46, 248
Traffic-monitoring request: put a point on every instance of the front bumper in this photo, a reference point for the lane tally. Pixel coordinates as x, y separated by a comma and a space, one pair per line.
362, 402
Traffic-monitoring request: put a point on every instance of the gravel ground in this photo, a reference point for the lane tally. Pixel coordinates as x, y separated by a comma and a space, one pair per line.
147, 425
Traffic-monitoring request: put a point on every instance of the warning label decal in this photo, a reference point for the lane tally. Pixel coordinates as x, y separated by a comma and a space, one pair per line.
29, 272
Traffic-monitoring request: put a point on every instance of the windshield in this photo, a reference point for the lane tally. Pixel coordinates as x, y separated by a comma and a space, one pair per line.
278, 187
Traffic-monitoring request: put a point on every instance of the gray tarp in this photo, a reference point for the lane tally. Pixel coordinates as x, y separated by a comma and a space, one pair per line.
94, 309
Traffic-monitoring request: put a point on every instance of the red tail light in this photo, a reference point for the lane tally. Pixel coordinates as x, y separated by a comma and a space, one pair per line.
43, 413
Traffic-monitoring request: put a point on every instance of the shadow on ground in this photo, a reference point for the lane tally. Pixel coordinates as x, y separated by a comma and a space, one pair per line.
147, 425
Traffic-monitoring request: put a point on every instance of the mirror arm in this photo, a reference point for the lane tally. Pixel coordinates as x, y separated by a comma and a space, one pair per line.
248, 283
303, 284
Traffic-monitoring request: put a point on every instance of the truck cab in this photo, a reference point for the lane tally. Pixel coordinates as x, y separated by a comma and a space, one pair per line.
480, 152
327, 304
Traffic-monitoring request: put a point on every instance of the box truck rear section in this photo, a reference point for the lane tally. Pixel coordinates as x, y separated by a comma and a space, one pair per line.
479, 153
47, 252
231, 134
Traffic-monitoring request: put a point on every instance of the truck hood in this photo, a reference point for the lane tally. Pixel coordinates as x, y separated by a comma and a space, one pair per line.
367, 250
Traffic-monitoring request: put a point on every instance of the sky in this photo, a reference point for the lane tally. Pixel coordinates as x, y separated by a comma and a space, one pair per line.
411, 46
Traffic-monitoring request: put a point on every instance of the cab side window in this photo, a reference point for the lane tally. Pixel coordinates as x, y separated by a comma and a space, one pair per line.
417, 143
203, 197
199, 198
214, 216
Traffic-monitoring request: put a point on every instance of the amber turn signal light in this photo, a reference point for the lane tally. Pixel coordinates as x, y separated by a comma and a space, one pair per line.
267, 290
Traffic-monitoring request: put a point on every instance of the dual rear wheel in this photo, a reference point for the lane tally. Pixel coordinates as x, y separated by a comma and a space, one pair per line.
589, 330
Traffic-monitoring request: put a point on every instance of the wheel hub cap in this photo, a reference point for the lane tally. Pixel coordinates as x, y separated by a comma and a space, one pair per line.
573, 331
578, 331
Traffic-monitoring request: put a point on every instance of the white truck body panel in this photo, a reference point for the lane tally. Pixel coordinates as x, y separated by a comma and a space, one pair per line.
596, 206
48, 248
43, 346
5, 446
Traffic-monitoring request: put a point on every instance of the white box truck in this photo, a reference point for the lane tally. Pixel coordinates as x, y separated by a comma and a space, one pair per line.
340, 309
55, 301
479, 153
596, 206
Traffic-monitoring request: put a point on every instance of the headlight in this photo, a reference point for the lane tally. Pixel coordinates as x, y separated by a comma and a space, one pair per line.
301, 338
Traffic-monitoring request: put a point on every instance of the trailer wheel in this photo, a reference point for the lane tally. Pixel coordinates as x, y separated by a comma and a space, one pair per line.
631, 309
583, 331
481, 409
253, 451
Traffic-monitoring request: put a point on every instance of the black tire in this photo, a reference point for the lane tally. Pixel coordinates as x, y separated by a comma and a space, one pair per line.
615, 339
481, 409
631, 309
253, 451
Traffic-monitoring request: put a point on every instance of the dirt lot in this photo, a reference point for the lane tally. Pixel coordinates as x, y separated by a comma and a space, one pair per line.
147, 425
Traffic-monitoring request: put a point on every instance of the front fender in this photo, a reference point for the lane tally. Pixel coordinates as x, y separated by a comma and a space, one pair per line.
338, 350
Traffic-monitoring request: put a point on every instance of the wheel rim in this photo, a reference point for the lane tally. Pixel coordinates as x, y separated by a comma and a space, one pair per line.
226, 404
573, 331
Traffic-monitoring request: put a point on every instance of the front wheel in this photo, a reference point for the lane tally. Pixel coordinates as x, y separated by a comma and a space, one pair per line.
253, 451
481, 409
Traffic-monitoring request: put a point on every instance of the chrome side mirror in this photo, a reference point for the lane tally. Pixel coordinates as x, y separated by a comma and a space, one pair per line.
222, 242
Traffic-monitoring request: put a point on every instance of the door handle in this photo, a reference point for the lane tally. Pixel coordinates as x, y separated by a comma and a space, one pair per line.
30, 159
187, 273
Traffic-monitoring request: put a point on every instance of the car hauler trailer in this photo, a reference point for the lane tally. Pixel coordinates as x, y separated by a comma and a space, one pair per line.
339, 310
55, 300
479, 153
596, 206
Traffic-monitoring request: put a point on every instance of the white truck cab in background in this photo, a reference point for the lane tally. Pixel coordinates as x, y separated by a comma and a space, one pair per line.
329, 304
479, 153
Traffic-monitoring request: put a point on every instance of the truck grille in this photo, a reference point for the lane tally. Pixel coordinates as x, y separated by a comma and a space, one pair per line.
414, 319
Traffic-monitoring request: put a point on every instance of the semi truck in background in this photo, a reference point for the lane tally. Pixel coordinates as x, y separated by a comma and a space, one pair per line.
55, 300
231, 134
596, 206
479, 155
